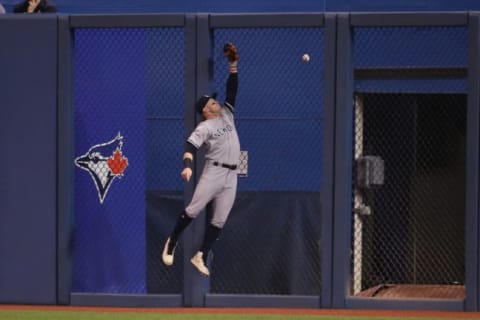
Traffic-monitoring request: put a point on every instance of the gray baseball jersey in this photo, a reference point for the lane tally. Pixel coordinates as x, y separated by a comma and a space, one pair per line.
220, 138
218, 183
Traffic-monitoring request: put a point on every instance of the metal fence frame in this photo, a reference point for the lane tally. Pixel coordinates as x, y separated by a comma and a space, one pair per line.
291, 20
344, 150
199, 29
67, 24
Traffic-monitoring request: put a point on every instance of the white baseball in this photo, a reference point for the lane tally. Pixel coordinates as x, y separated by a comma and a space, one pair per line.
306, 57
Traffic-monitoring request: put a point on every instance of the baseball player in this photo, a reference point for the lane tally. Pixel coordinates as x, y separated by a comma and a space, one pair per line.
218, 182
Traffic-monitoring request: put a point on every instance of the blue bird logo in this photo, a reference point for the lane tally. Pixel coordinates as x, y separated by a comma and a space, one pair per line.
104, 162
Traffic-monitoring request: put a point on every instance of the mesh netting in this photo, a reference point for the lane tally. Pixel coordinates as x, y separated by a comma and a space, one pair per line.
271, 243
408, 224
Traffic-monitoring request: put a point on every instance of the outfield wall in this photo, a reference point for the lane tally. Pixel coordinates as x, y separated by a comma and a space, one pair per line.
97, 84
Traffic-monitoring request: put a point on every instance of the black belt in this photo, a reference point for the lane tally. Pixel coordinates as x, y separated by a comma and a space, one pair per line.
224, 165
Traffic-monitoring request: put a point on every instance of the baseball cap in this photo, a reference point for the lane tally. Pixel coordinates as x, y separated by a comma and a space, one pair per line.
202, 101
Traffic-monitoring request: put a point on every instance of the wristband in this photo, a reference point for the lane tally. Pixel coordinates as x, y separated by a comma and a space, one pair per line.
187, 163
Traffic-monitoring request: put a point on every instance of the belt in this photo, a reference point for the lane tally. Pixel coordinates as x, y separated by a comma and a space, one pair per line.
224, 165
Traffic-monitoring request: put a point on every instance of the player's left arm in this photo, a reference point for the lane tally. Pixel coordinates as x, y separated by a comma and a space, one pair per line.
231, 53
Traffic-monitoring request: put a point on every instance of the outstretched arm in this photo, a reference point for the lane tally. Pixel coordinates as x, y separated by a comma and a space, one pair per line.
231, 53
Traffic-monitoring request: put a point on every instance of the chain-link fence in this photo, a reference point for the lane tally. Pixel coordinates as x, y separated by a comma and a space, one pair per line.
409, 145
409, 186
271, 243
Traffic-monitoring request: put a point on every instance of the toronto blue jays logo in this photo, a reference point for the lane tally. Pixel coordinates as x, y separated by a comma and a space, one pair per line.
104, 162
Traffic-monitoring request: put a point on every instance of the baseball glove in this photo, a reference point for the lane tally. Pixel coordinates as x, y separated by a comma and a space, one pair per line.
231, 52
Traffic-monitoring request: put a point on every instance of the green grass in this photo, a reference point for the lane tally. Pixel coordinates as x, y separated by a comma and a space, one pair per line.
104, 315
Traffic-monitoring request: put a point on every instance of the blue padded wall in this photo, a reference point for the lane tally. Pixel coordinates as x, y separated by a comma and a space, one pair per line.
28, 60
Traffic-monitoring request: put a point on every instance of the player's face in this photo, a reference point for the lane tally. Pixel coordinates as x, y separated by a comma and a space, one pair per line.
212, 108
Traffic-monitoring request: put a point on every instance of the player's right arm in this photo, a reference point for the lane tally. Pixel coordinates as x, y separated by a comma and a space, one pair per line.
193, 143
190, 151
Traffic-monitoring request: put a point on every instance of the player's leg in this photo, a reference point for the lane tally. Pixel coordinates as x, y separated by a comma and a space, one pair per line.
171, 243
199, 260
222, 205
201, 196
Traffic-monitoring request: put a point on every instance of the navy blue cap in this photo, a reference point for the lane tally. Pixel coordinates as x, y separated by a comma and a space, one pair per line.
202, 101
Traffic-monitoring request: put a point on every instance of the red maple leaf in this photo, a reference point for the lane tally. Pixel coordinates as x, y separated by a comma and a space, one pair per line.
117, 163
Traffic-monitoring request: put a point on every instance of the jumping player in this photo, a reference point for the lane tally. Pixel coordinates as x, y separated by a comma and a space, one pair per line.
218, 182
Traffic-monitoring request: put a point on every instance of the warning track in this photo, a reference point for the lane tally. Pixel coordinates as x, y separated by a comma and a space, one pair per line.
280, 311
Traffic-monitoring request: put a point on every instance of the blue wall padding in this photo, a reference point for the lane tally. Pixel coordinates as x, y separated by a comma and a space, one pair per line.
28, 162
110, 98
409, 47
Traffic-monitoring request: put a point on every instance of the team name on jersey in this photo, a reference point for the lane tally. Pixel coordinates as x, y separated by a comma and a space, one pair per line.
222, 131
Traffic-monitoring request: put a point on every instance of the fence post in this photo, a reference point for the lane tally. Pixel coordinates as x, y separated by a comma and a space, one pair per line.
328, 159
196, 285
65, 156
471, 206
343, 162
